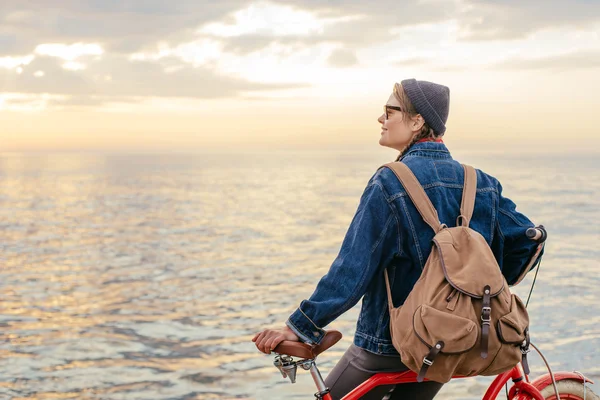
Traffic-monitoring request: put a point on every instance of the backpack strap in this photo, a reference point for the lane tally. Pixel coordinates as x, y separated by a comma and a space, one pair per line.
467, 204
417, 194
420, 200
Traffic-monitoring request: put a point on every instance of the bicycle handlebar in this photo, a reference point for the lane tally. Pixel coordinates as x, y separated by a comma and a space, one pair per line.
537, 234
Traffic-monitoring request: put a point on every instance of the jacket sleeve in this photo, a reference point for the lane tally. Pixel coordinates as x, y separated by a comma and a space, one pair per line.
519, 253
371, 238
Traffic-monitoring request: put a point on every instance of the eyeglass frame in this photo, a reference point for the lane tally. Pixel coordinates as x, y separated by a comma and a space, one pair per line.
385, 110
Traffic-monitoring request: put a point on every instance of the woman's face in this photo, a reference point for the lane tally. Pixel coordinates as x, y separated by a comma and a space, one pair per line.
396, 131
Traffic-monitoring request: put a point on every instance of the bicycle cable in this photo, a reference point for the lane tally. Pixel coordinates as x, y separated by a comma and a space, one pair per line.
533, 283
540, 353
526, 304
549, 370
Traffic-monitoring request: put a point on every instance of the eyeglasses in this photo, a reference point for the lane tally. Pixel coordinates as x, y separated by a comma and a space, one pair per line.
386, 107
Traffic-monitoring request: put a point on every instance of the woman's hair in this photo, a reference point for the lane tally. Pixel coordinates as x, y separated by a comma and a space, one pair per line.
409, 110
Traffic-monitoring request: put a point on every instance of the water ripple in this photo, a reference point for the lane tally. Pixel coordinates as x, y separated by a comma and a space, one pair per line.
145, 277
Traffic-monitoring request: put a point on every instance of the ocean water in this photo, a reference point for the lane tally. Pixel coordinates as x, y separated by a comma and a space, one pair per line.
146, 276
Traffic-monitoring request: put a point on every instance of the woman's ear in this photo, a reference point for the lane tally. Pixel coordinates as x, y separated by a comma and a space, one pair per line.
417, 122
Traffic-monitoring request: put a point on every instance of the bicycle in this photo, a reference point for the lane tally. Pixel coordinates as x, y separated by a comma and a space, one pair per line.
551, 386
570, 385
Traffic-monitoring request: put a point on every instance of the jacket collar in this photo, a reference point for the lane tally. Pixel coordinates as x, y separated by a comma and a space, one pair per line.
428, 149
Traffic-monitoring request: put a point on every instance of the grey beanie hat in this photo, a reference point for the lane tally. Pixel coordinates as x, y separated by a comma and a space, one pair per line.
431, 100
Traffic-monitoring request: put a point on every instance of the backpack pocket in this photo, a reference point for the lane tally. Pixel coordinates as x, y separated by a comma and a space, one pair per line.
512, 326
431, 327
511, 330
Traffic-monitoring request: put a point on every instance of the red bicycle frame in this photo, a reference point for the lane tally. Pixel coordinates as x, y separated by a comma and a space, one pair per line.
521, 388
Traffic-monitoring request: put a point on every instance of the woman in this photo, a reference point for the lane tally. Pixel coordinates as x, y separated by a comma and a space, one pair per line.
387, 232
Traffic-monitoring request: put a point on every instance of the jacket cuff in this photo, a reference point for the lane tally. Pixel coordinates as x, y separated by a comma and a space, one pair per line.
533, 262
305, 328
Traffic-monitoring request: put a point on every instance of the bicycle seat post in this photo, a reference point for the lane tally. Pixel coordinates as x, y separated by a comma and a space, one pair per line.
307, 354
311, 366
287, 366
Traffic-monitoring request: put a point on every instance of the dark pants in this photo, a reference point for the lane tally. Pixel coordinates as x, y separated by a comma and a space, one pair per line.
357, 365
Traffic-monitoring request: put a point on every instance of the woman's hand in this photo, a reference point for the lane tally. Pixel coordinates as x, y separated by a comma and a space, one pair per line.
268, 339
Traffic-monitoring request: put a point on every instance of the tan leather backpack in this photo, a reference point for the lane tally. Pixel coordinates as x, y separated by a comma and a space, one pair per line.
460, 319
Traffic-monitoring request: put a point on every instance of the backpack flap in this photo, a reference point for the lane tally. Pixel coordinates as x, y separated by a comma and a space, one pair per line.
470, 267
512, 327
463, 251
431, 326
443, 333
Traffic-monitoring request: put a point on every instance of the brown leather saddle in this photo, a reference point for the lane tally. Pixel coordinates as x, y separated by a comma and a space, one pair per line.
306, 351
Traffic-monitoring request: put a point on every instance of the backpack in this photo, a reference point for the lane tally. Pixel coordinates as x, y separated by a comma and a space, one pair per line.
460, 319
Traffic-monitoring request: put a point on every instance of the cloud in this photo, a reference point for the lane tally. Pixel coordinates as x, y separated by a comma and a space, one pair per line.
87, 101
243, 45
116, 76
121, 26
271, 19
69, 52
102, 49
131, 26
483, 20
197, 52
25, 102
342, 58
567, 61
350, 24
412, 61
11, 44
128, 26
10, 62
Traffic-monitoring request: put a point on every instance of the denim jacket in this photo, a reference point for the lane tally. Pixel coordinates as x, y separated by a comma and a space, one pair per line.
387, 232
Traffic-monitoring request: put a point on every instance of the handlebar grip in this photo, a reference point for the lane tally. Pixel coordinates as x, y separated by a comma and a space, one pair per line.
537, 234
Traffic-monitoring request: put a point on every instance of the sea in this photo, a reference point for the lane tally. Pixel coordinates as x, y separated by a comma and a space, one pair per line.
145, 276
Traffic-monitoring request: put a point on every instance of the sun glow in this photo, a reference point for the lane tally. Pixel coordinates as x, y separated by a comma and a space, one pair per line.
69, 52
319, 71
12, 62
265, 18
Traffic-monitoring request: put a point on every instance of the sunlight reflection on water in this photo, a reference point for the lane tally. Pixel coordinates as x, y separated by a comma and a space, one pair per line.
145, 277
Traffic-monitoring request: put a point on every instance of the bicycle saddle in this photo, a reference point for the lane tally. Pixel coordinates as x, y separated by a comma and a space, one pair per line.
303, 350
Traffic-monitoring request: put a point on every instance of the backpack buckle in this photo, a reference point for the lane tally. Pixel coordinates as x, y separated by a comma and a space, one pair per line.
427, 361
486, 313
525, 345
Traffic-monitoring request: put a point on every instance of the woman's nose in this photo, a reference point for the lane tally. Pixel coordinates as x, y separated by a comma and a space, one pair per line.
381, 119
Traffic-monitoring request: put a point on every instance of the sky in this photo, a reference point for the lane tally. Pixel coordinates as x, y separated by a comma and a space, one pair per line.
187, 75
